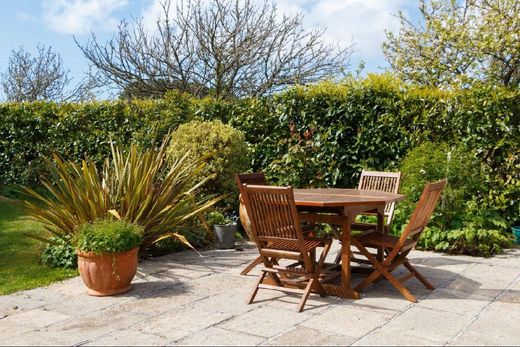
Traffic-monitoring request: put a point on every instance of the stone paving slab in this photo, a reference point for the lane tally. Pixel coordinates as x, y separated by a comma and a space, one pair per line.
186, 299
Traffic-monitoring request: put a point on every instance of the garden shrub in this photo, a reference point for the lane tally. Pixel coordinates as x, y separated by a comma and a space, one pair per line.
138, 186
435, 161
31, 131
467, 240
323, 135
59, 253
459, 225
226, 151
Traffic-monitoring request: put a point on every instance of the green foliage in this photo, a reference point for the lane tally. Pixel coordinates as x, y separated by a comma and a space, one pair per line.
32, 131
108, 236
435, 161
322, 135
219, 218
468, 240
59, 254
460, 225
317, 135
197, 237
222, 145
458, 42
140, 187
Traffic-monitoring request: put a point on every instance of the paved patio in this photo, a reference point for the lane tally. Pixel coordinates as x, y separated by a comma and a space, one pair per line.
184, 299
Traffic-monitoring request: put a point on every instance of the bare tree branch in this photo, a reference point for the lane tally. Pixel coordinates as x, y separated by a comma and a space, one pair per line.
226, 48
41, 77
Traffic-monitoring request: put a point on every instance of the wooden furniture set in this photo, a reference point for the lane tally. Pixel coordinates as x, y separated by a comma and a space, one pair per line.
273, 216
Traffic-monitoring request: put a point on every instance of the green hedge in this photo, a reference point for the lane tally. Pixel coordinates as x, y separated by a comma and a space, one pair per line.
29, 131
319, 135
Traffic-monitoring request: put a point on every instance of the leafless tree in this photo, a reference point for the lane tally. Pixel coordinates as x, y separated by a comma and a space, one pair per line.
41, 77
226, 48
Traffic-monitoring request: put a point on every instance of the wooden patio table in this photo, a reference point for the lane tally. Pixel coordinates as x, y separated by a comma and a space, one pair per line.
340, 207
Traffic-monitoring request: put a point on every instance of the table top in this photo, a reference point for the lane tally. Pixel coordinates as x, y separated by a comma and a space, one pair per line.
336, 197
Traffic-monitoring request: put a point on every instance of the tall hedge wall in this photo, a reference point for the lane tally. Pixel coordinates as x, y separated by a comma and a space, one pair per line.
320, 135
30, 131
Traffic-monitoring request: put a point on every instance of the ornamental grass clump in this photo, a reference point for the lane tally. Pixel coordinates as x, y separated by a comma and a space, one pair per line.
143, 187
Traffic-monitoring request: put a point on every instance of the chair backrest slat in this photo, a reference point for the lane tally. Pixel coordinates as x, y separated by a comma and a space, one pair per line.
423, 211
257, 179
272, 212
383, 181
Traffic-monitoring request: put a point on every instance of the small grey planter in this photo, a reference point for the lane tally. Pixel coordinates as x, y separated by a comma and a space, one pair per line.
225, 235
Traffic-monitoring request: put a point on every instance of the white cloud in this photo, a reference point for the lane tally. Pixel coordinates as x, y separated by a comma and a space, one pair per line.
151, 14
155, 11
80, 16
362, 22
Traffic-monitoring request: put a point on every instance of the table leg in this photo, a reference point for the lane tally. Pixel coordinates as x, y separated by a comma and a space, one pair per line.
381, 229
345, 289
345, 252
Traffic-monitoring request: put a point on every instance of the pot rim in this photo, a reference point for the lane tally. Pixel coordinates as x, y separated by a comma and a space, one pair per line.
92, 254
226, 225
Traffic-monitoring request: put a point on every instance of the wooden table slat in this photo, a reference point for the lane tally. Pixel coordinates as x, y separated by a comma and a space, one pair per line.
335, 197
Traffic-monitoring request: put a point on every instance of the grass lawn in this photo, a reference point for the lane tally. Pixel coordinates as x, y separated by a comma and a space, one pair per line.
20, 266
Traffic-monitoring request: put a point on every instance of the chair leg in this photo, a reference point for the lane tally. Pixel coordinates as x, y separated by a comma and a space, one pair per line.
255, 288
251, 266
338, 258
420, 277
305, 295
400, 287
381, 270
319, 288
312, 255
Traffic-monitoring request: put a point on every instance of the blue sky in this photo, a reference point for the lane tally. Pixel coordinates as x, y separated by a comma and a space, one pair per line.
55, 22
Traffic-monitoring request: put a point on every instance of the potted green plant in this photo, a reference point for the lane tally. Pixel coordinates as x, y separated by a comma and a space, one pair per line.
224, 228
107, 255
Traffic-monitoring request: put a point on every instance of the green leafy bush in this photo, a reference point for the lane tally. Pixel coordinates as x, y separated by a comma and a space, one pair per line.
108, 236
59, 253
32, 131
225, 150
468, 240
220, 218
459, 225
435, 161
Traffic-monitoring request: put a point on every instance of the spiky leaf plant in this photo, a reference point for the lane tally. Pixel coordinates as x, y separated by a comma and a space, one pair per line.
140, 187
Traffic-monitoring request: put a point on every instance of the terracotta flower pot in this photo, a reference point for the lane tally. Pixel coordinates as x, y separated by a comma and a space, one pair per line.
108, 273
246, 222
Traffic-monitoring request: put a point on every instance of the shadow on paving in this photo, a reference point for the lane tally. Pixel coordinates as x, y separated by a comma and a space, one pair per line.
191, 265
454, 285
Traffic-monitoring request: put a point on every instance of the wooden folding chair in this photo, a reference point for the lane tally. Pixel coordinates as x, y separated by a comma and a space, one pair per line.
382, 181
396, 249
257, 178
278, 235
